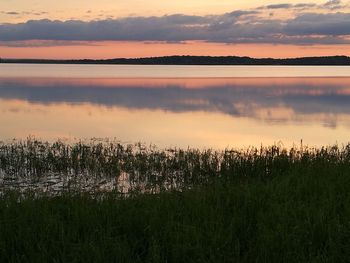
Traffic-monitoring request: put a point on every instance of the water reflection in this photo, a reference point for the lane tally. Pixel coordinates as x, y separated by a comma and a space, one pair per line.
197, 112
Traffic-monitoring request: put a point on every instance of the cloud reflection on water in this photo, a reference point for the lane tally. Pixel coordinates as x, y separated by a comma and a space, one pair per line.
275, 100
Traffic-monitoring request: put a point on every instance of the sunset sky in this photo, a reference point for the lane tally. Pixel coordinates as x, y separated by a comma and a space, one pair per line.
135, 28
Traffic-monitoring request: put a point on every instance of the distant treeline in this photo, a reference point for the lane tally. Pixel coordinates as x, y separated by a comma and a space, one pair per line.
196, 60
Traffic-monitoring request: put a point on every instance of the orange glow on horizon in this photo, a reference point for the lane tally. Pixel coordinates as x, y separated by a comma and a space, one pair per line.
126, 49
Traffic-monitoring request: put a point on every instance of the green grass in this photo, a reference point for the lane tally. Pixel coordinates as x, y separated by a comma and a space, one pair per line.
295, 210
148, 169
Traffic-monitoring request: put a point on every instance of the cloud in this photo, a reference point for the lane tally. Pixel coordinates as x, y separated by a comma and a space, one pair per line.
240, 26
329, 5
35, 13
11, 13
337, 24
305, 5
239, 13
332, 3
279, 6
45, 43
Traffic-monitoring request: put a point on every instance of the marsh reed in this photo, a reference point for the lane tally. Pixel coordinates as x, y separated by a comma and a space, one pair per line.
113, 202
104, 165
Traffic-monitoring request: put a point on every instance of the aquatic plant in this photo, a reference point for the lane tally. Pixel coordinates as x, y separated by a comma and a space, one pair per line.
105, 165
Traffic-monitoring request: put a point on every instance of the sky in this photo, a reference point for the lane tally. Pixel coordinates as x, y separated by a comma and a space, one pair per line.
135, 28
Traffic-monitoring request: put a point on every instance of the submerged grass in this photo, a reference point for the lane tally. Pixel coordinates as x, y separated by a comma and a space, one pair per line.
136, 168
257, 205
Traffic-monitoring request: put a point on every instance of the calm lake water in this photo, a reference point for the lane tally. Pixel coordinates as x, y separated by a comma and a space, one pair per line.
196, 106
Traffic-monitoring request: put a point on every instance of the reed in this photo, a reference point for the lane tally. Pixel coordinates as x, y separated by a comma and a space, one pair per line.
265, 204
103, 165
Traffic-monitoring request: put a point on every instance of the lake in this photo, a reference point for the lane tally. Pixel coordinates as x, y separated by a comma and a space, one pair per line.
177, 106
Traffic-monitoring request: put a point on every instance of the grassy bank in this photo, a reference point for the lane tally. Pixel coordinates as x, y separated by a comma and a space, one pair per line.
267, 206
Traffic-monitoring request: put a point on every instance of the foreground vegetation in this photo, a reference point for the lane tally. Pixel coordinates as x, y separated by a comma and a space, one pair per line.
257, 205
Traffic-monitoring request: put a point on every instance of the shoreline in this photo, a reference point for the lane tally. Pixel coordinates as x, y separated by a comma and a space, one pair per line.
194, 61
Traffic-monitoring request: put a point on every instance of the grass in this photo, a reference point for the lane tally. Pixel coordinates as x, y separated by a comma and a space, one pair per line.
257, 205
